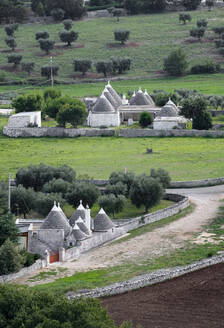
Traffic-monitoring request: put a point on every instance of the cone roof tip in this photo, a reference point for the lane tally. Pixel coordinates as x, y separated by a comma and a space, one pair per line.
75, 227
80, 220
101, 211
55, 208
80, 207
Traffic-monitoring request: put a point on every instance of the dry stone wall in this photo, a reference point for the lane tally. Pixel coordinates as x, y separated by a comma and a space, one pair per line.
136, 133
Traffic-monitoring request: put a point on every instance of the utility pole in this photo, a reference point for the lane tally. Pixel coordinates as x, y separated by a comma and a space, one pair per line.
52, 77
9, 192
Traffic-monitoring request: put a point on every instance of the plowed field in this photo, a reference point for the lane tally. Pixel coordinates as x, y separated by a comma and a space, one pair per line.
195, 300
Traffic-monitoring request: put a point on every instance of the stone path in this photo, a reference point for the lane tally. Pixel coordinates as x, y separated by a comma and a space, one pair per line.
152, 244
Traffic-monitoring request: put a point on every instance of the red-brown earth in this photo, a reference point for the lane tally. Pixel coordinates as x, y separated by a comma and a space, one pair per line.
195, 300
126, 45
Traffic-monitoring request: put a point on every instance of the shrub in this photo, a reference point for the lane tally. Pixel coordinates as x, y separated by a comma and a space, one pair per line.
22, 200
219, 43
145, 119
42, 35
121, 36
28, 103
176, 63
53, 105
11, 43
183, 17
218, 30
120, 65
202, 121
191, 4
74, 113
221, 50
51, 93
126, 178
197, 32
87, 192
208, 67
29, 258
10, 259
15, 59
28, 67
58, 186
11, 28
68, 36
161, 98
82, 65
202, 23
43, 202
8, 228
46, 45
162, 176
67, 24
144, 6
58, 14
47, 69
112, 204
105, 67
116, 189
209, 4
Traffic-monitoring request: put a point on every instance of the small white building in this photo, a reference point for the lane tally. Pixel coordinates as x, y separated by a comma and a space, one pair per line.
24, 119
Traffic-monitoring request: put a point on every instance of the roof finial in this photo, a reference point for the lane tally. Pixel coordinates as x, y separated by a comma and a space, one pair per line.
80, 202
58, 204
54, 202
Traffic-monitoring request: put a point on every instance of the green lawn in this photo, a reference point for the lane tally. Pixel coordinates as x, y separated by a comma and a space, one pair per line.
154, 34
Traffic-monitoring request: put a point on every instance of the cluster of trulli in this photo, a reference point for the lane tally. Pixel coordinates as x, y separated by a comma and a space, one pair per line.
57, 231
141, 98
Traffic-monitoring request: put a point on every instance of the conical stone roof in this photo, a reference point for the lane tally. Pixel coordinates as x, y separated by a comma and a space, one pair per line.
80, 212
149, 98
80, 223
102, 222
167, 111
114, 93
103, 105
140, 99
171, 103
132, 99
78, 234
56, 219
111, 99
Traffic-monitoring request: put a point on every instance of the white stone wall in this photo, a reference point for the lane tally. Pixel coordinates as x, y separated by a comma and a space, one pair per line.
103, 119
164, 125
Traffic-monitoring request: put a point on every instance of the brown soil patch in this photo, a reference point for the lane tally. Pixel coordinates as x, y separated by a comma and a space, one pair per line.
64, 47
88, 75
10, 69
126, 45
194, 40
53, 54
195, 300
7, 51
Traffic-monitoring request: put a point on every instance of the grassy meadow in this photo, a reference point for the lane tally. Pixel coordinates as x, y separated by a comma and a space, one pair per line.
152, 37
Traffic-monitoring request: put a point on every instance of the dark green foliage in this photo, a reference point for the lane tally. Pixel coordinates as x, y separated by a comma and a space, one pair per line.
46, 45
184, 17
51, 93
12, 11
116, 12
162, 176
3, 198
58, 186
176, 63
14, 59
53, 105
67, 24
35, 176
218, 30
161, 98
68, 36
28, 308
202, 121
11, 28
42, 35
208, 67
74, 113
202, 23
116, 189
11, 43
197, 32
28, 103
219, 43
209, 4
221, 50
47, 69
87, 192
29, 258
145, 119
10, 261
125, 178
144, 6
191, 4
27, 67
121, 35
58, 14
82, 65
146, 191
112, 204
105, 67
22, 200
44, 202
120, 65
8, 228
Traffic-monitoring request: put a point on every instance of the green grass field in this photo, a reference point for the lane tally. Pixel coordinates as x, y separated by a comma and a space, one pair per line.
154, 35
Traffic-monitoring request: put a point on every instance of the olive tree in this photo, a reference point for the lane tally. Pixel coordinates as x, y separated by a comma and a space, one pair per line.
27, 67
197, 32
42, 35
14, 59
68, 37
184, 17
11, 42
47, 70
82, 65
46, 45
175, 63
121, 35
74, 113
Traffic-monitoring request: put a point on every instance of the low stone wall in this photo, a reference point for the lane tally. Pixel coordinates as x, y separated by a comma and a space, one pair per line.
147, 279
136, 133
197, 183
56, 132
39, 264
124, 226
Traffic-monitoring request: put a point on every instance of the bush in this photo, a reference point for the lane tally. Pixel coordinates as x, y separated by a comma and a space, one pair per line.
68, 37
51, 93
208, 67
202, 121
8, 228
10, 259
43, 202
82, 65
209, 4
144, 6
197, 32
74, 113
121, 36
28, 67
161, 98
126, 178
145, 119
57, 186
116, 189
176, 63
218, 30
120, 65
46, 45
29, 258
53, 105
87, 192
105, 67
58, 14
67, 24
47, 69
162, 176
11, 28
22, 200
183, 17
219, 43
11, 43
28, 103
202, 23
15, 59
112, 204
191, 4
42, 35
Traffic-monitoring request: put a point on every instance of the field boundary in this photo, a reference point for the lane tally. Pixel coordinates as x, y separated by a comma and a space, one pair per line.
147, 279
